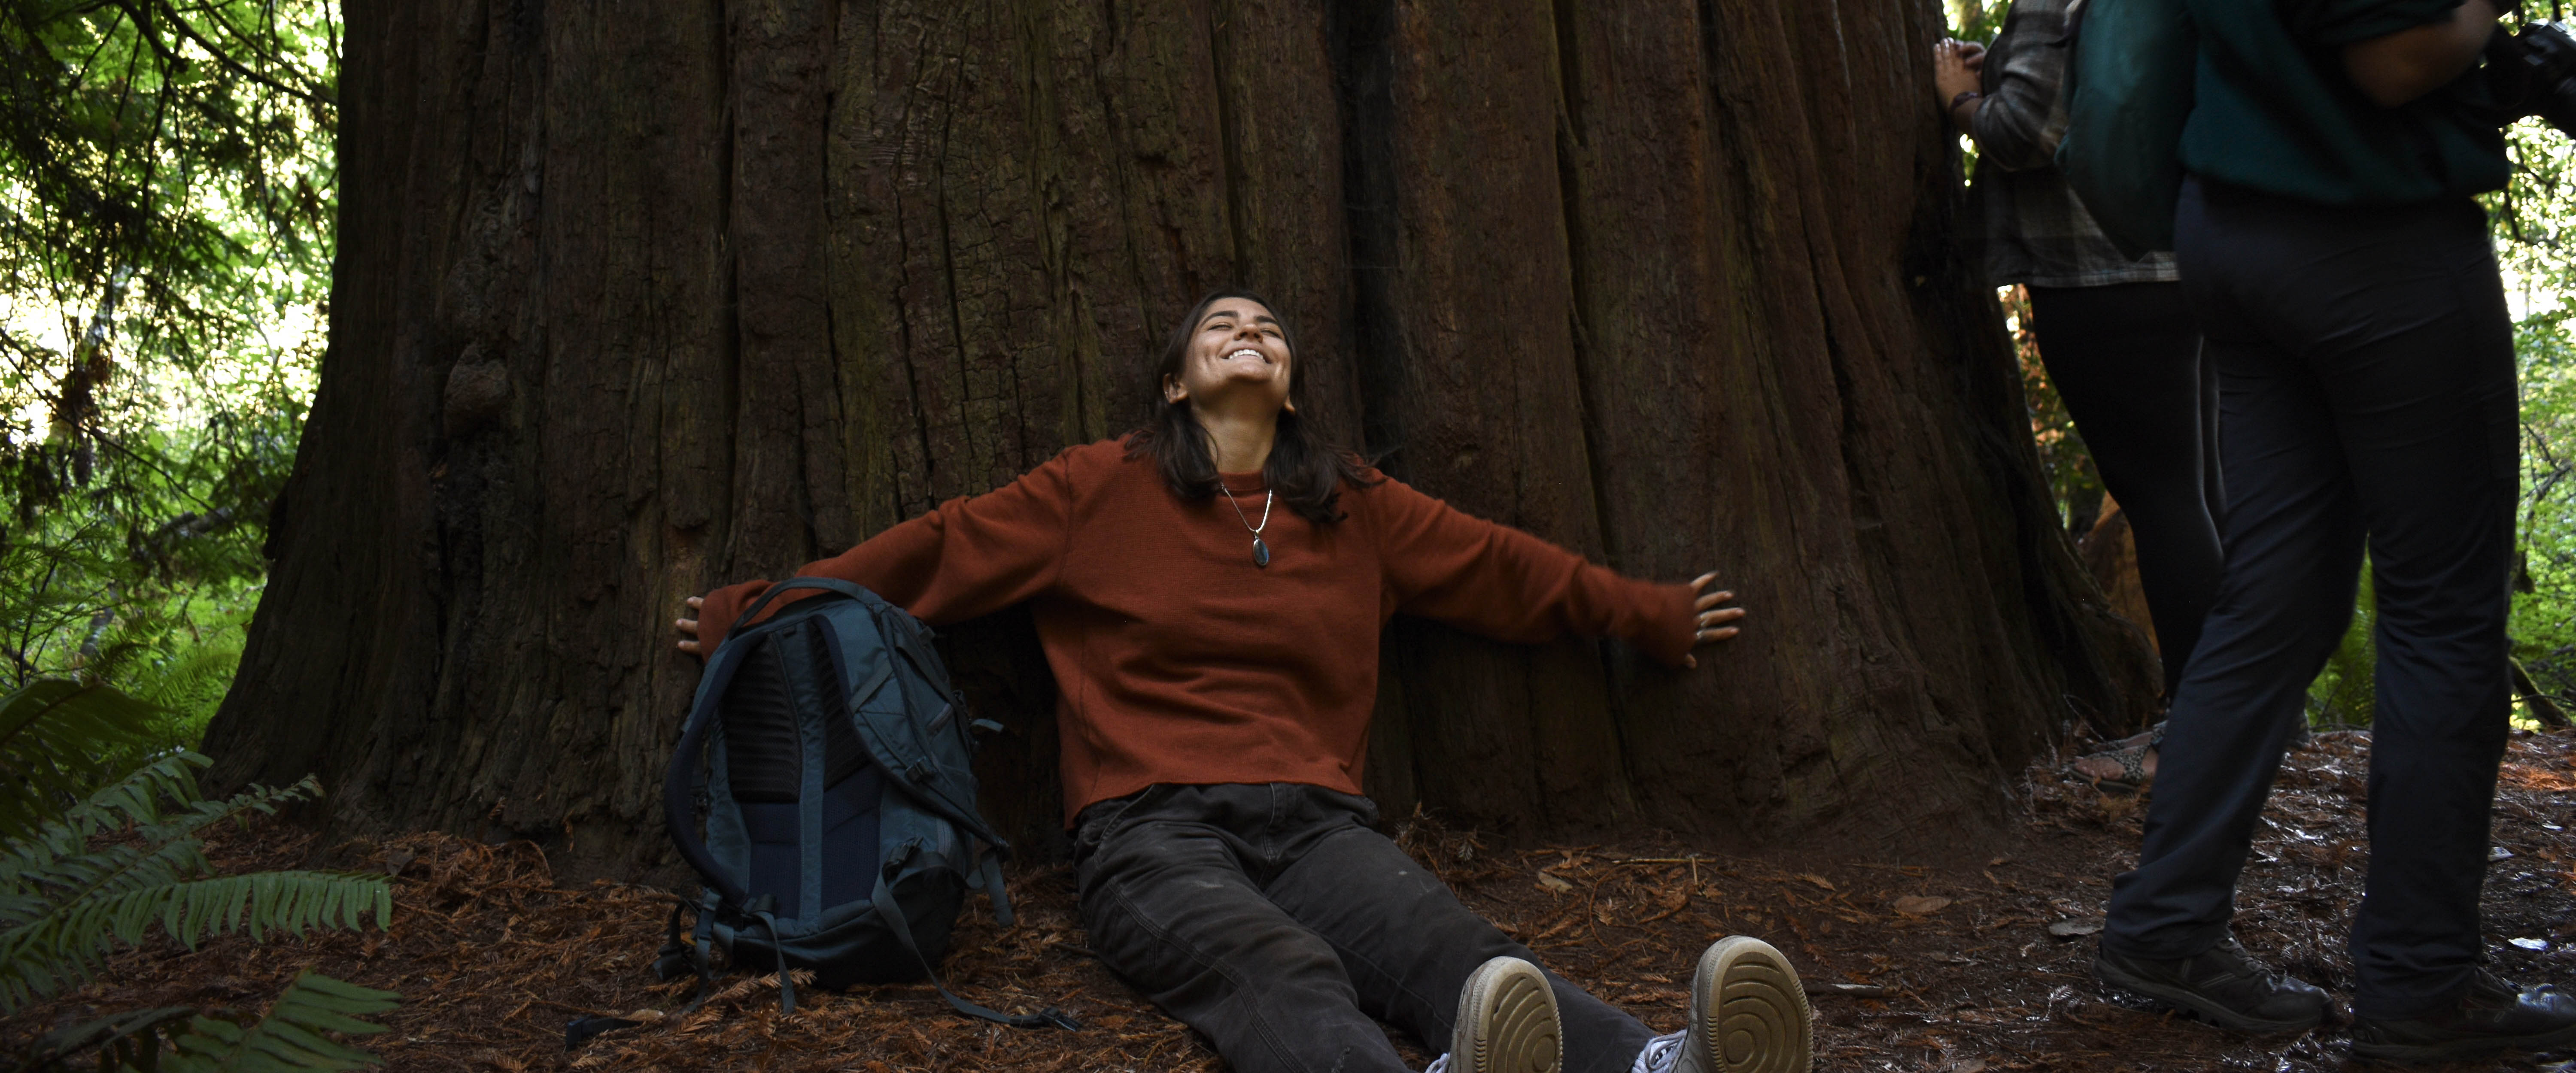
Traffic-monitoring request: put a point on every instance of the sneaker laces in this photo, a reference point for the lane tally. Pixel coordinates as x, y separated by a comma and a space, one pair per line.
1659, 1055
1438, 1065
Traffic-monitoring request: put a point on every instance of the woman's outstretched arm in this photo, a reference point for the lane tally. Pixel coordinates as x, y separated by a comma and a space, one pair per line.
970, 556
1446, 564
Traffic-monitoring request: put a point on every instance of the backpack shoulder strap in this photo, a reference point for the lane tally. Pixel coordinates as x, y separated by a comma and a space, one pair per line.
892, 913
680, 782
990, 875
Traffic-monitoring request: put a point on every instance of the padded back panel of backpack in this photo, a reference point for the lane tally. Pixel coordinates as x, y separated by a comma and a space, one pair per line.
787, 683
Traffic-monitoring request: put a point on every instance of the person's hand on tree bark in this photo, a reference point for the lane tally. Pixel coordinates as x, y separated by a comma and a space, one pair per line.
1709, 622
1956, 69
689, 628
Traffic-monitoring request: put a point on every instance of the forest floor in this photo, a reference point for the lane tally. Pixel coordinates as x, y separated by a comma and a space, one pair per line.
1976, 966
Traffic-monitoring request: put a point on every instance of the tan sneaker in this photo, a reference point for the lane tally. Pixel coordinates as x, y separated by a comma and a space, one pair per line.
1506, 1022
1748, 1012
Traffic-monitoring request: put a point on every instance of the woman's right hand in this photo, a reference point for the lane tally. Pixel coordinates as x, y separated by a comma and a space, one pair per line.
689, 627
1710, 622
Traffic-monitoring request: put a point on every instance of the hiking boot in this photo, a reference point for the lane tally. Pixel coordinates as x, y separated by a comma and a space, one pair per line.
1506, 1022
2492, 1017
2223, 985
1748, 1014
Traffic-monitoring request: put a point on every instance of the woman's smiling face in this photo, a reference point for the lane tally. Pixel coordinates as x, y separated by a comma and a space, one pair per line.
1238, 348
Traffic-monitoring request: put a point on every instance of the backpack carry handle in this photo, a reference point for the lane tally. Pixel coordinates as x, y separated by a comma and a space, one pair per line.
802, 581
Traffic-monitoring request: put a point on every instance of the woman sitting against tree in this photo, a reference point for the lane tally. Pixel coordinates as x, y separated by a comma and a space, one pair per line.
1209, 591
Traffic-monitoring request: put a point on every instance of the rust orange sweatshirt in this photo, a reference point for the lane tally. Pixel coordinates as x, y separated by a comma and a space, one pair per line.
1177, 659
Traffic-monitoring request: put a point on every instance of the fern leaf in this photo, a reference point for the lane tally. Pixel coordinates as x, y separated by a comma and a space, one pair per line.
137, 1026
199, 815
53, 733
51, 869
77, 937
64, 907
291, 1037
134, 800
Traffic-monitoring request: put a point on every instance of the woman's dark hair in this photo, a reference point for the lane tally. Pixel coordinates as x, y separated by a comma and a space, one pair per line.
1306, 470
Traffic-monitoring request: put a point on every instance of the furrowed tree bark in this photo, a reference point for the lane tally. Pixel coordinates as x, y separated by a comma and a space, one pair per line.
636, 299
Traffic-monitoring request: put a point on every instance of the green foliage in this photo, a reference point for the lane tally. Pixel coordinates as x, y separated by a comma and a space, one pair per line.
2535, 225
2072, 482
59, 739
166, 210
290, 1038
129, 1040
2343, 693
65, 903
1976, 20
89, 865
166, 203
169, 199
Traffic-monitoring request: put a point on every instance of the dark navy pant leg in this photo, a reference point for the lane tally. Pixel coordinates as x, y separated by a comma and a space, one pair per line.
2367, 364
2294, 541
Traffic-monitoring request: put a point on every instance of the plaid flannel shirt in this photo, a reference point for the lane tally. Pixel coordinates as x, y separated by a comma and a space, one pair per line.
2033, 227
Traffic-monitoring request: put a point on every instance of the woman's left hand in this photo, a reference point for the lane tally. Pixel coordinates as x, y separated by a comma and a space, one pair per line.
1955, 67
1709, 621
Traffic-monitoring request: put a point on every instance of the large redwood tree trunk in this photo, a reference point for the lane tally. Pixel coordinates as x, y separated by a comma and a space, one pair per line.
637, 297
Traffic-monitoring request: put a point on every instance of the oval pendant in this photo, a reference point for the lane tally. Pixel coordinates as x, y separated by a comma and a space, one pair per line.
1260, 553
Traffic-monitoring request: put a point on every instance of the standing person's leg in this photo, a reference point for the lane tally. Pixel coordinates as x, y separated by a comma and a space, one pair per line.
2422, 378
1170, 905
2294, 540
2127, 360
2213, 470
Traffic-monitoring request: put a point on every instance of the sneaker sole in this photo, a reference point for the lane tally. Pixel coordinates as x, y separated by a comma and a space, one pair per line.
2456, 1050
1506, 1021
1750, 1012
2171, 997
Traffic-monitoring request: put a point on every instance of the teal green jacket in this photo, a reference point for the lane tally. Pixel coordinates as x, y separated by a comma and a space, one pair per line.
2273, 109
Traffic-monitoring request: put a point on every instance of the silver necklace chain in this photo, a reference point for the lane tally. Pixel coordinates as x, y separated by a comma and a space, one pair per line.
1246, 519
1260, 550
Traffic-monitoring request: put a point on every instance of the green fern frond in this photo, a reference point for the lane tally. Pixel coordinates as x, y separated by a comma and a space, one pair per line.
40, 956
53, 863
291, 1037
64, 906
188, 684
54, 734
137, 799
200, 814
125, 1039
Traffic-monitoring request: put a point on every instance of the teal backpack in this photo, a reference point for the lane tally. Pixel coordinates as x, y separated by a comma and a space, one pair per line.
830, 760
2128, 93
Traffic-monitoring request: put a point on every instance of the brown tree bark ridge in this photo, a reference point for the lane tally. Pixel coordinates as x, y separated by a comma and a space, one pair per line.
636, 298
